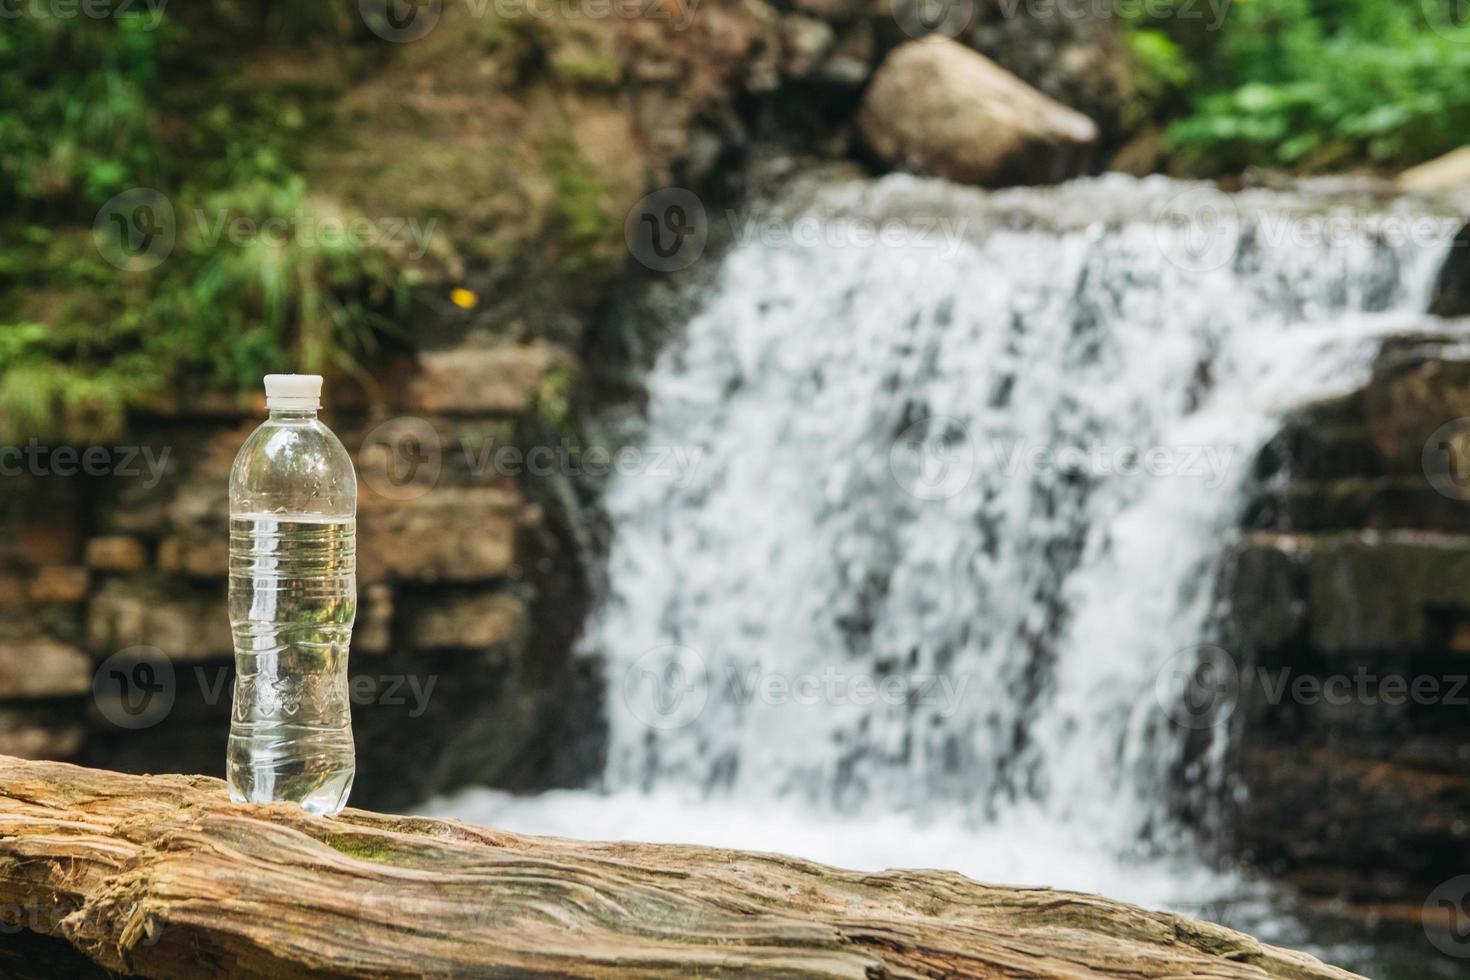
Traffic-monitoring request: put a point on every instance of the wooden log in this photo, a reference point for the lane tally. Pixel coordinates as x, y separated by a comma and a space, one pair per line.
161, 876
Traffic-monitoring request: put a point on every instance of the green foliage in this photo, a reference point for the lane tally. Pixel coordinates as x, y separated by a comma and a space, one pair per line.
553, 401
67, 132
289, 293
1162, 70
584, 227
1311, 84
259, 277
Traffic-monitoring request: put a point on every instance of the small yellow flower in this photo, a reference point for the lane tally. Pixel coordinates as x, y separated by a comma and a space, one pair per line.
464, 299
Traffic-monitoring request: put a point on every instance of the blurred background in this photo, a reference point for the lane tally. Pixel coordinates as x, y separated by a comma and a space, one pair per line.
1027, 437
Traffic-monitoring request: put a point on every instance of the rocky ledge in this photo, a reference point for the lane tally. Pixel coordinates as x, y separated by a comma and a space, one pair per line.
1349, 624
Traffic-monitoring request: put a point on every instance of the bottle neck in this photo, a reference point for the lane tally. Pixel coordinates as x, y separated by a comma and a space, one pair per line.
292, 414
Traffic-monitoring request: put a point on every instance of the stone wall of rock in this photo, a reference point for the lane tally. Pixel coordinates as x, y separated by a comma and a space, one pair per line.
115, 646
1349, 624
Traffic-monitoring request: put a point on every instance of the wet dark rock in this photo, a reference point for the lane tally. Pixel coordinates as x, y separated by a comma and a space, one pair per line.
1349, 621
1452, 288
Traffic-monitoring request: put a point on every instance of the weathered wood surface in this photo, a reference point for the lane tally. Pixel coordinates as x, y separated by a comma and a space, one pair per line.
163, 877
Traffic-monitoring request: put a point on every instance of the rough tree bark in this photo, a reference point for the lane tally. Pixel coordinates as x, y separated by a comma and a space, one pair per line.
161, 876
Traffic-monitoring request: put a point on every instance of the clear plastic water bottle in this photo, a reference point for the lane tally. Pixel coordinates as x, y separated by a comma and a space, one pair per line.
293, 598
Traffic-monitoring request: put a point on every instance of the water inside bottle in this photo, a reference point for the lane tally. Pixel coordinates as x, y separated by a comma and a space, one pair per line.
293, 598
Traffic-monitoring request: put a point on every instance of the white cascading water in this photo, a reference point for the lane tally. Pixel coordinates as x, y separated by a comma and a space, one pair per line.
905, 609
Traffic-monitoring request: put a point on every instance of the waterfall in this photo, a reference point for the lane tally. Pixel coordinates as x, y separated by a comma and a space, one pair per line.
955, 501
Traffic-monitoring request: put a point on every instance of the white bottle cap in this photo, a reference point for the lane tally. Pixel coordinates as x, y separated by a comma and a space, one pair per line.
293, 392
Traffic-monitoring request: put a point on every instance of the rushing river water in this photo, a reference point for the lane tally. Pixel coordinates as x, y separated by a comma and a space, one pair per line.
958, 503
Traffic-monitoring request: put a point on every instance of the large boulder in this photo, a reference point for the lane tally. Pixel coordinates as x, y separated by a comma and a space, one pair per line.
939, 109
1447, 173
